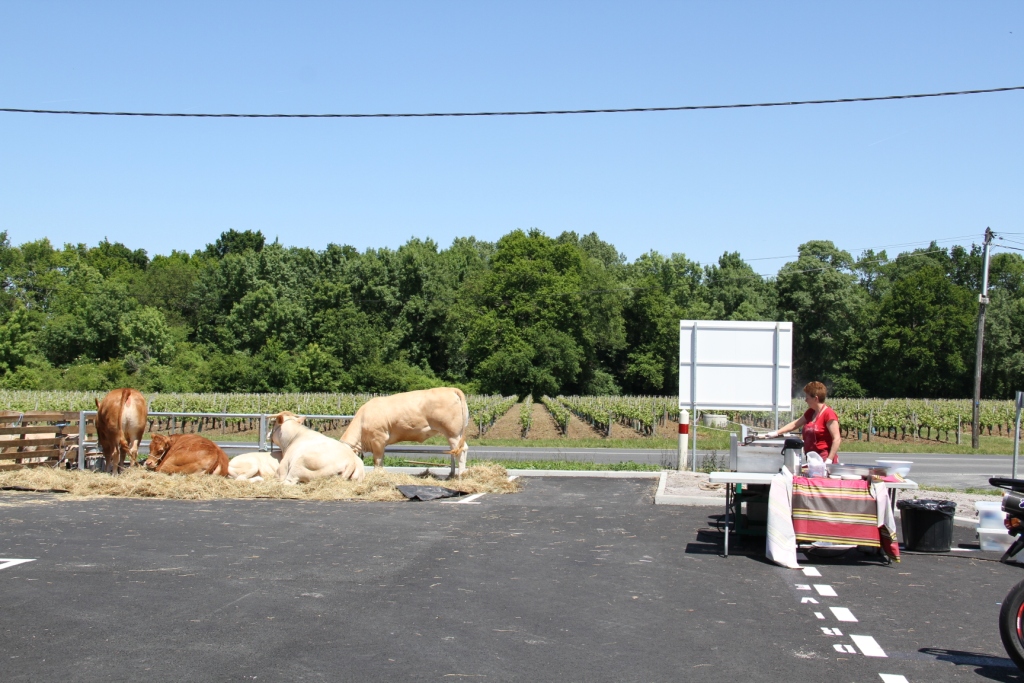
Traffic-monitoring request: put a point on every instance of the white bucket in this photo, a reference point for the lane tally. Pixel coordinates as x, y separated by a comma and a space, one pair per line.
990, 515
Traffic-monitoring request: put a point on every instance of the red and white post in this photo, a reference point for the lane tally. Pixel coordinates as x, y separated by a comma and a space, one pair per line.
684, 439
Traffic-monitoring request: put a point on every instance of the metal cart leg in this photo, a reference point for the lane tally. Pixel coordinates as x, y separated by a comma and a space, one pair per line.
728, 495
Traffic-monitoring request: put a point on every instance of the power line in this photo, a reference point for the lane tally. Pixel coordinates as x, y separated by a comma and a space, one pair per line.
630, 110
863, 249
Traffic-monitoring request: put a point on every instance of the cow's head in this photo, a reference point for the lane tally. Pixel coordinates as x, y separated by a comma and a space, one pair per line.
279, 421
158, 447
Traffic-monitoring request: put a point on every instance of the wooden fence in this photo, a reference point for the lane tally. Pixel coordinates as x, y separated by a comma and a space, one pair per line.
39, 438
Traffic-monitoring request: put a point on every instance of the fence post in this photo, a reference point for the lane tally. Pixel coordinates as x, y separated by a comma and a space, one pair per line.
263, 433
871, 423
958, 429
684, 437
81, 439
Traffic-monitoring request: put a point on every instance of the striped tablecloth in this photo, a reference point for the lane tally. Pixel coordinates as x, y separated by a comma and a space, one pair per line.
836, 511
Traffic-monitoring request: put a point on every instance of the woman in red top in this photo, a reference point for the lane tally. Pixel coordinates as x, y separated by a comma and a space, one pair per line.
820, 424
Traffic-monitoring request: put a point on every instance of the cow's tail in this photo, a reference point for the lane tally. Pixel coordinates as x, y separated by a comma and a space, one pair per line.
465, 422
222, 462
126, 394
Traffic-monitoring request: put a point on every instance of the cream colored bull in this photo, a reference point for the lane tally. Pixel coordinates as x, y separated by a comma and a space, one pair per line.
309, 455
412, 416
255, 466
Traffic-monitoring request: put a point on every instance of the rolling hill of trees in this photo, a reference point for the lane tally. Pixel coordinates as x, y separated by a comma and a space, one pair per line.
529, 314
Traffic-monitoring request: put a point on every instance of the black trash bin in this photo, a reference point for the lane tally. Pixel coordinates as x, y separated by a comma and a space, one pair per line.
927, 524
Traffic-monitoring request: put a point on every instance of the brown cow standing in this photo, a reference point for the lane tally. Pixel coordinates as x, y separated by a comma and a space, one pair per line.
120, 423
186, 454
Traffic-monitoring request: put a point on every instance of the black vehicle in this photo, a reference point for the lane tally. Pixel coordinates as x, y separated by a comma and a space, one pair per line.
1011, 615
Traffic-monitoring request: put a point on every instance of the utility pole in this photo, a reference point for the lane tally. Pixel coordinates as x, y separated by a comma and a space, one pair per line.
980, 343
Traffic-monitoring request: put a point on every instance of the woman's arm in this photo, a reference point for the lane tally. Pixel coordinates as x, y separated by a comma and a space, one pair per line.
795, 424
833, 429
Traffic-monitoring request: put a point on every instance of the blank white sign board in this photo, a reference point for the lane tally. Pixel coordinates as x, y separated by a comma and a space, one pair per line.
735, 365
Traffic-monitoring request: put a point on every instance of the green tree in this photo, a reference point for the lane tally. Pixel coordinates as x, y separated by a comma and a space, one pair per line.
922, 335
236, 242
819, 293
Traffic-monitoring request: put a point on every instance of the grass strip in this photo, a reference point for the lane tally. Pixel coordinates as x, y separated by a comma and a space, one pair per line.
574, 465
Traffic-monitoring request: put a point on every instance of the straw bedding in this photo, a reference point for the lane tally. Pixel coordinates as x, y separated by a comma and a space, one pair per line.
137, 483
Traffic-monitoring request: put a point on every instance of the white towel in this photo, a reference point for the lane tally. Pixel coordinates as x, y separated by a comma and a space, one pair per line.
781, 548
880, 492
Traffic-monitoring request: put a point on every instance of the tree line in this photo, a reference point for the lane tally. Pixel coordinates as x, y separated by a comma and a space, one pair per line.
529, 314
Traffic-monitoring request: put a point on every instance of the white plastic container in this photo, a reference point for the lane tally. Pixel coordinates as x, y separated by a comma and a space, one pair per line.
716, 421
994, 540
900, 467
990, 514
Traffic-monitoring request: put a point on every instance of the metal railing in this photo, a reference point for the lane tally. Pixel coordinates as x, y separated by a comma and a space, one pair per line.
84, 415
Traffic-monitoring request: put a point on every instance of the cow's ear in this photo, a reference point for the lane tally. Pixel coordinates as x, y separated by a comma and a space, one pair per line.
300, 419
279, 418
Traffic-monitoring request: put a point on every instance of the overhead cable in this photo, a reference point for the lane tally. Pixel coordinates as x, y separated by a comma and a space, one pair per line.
549, 112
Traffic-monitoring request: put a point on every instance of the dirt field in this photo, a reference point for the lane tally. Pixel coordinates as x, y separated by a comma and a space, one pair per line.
507, 427
544, 427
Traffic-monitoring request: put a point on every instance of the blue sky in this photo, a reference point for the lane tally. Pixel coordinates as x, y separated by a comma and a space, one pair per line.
755, 181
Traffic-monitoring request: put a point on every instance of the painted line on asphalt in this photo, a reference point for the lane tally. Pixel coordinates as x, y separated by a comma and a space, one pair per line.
893, 678
846, 649
831, 631
468, 500
811, 571
10, 562
819, 615
868, 646
843, 614
825, 590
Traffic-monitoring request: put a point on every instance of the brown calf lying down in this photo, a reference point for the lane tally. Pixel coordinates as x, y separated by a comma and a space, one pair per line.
186, 454
120, 422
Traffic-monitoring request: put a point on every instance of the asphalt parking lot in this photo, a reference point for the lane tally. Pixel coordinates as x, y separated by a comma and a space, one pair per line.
572, 579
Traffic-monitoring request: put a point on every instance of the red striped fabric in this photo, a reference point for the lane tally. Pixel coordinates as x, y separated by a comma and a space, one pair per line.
835, 511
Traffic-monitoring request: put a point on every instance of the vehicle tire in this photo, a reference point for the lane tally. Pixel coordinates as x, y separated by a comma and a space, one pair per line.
1011, 624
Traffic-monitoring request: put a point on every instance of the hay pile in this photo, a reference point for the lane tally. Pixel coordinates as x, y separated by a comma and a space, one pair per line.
138, 483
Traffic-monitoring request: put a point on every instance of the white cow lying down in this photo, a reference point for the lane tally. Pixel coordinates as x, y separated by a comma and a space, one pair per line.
308, 454
255, 466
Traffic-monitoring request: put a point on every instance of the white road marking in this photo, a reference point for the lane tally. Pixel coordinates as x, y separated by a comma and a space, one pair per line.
808, 601
819, 615
868, 646
803, 586
811, 571
831, 631
843, 614
6, 562
468, 500
893, 678
825, 590
844, 648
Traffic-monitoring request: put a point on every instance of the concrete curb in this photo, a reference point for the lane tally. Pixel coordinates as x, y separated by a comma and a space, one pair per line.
689, 500
600, 474
662, 498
